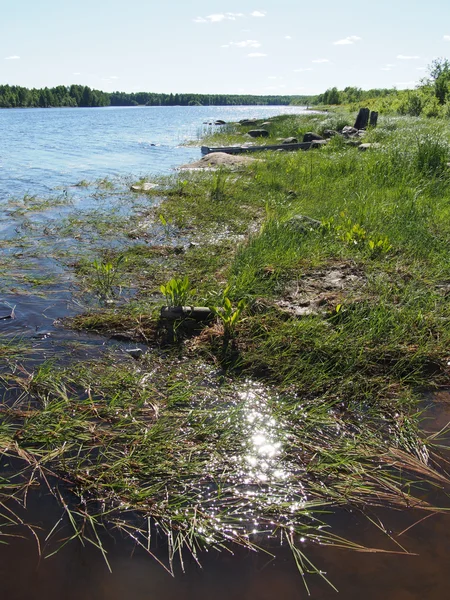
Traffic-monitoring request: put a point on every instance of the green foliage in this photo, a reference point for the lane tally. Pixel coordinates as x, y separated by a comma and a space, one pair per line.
106, 273
218, 186
177, 291
229, 316
432, 154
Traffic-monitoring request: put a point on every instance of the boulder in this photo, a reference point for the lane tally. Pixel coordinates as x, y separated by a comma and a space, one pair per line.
329, 133
258, 133
348, 131
310, 136
290, 140
219, 122
248, 122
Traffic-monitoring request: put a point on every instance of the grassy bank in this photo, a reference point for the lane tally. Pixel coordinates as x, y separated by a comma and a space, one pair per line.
328, 275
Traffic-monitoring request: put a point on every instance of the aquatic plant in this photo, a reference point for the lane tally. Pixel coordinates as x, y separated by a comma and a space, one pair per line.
177, 291
106, 274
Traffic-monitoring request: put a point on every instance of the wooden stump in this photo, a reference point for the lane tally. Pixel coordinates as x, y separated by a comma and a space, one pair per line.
373, 119
362, 120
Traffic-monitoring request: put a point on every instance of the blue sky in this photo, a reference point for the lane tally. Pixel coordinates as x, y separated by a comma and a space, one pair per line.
221, 46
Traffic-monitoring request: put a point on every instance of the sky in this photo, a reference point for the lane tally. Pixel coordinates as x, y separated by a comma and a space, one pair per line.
221, 46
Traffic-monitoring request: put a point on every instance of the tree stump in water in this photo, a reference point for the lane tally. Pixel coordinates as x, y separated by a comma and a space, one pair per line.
373, 119
362, 120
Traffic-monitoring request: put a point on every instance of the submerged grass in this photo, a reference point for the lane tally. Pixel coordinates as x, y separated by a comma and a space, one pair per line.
338, 262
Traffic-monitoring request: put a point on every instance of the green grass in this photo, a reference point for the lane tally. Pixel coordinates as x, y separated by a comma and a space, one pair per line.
338, 261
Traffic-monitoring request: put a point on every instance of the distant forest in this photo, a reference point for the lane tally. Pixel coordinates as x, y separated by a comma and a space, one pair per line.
78, 95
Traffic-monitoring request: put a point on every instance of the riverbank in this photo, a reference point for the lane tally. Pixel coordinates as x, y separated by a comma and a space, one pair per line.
328, 275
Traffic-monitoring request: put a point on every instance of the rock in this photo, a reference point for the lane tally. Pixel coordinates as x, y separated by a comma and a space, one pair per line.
329, 133
348, 131
373, 145
310, 136
318, 144
217, 160
362, 120
144, 187
248, 122
266, 124
290, 140
219, 122
258, 133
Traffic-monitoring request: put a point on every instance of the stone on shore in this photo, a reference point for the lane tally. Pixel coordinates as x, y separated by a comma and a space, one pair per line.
216, 160
258, 133
311, 136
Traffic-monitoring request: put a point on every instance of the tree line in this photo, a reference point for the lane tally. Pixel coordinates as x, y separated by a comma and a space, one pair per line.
83, 96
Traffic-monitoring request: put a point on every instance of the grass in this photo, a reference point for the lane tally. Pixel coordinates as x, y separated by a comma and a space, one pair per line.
338, 264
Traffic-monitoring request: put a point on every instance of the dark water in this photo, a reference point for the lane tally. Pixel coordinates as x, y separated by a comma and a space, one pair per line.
44, 152
78, 571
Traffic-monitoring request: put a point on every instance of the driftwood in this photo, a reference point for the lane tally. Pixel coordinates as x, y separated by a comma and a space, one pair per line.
175, 313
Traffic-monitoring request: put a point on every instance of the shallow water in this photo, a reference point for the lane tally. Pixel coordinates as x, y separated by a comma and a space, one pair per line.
45, 152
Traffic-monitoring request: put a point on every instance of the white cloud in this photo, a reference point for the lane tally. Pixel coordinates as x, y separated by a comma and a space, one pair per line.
247, 44
225, 46
76, 73
421, 68
256, 55
386, 69
12, 58
217, 18
321, 60
258, 13
288, 37
446, 38
351, 39
303, 70
403, 57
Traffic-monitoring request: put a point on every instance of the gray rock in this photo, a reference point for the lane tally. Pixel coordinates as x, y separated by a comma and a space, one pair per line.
290, 140
310, 136
329, 133
258, 133
348, 131
219, 122
248, 122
